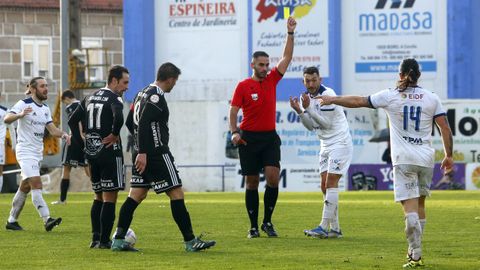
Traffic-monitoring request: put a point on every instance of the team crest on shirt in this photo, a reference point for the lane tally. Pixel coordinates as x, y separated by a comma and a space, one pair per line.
154, 98
254, 96
93, 144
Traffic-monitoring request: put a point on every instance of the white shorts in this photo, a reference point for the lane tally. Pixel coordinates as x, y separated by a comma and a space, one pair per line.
411, 181
29, 168
336, 161
2, 154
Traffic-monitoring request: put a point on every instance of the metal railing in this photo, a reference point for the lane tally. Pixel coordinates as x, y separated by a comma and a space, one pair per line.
220, 166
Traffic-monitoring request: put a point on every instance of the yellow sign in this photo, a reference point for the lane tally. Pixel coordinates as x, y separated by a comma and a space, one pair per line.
286, 12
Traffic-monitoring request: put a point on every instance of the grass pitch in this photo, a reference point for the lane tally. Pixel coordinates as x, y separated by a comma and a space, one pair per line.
371, 222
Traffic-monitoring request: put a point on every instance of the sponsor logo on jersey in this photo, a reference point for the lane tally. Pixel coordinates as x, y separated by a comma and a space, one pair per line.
38, 123
93, 144
416, 141
255, 96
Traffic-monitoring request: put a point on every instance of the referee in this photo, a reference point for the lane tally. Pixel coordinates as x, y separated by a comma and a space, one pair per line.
259, 143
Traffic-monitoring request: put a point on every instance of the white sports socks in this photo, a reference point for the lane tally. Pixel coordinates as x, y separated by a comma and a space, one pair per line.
330, 205
413, 231
17, 205
40, 204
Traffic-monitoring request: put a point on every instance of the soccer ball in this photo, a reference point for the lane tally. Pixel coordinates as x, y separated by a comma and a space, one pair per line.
131, 237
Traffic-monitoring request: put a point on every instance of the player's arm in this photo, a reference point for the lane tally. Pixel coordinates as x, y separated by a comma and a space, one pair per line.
288, 49
117, 110
129, 121
345, 101
75, 121
144, 125
447, 139
304, 116
56, 132
234, 130
11, 117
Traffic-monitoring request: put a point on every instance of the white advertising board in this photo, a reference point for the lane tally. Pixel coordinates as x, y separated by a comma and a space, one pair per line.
268, 33
378, 34
207, 40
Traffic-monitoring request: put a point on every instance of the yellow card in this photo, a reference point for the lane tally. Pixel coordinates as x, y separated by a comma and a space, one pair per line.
286, 12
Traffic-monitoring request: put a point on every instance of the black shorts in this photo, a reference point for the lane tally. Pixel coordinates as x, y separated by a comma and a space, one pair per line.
73, 155
161, 174
262, 149
107, 173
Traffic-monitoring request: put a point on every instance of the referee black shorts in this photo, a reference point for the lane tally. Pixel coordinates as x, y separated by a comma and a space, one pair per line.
161, 174
262, 149
73, 155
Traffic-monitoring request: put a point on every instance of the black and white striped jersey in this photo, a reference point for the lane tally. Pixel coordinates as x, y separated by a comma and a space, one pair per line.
70, 108
101, 115
150, 121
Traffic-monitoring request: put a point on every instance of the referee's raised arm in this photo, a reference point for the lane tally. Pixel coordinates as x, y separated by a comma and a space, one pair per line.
288, 49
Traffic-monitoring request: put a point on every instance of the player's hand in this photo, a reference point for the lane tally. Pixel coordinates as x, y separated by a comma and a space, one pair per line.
305, 101
295, 105
447, 164
110, 140
291, 24
26, 111
67, 138
141, 163
237, 139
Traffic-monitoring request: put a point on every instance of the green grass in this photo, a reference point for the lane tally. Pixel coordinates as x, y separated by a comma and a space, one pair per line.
372, 224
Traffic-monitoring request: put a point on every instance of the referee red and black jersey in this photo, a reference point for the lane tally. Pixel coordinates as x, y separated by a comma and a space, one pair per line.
257, 99
150, 121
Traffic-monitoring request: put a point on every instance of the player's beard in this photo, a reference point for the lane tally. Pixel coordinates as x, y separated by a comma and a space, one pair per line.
40, 97
260, 75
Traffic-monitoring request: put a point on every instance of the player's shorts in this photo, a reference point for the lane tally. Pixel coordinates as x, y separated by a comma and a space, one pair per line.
161, 174
337, 160
2, 153
411, 181
107, 173
73, 155
262, 149
29, 168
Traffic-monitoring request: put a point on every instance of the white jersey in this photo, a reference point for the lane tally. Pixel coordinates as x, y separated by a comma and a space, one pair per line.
411, 115
3, 127
31, 128
329, 121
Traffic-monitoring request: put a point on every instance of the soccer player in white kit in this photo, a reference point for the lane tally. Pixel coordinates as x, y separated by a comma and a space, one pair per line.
33, 117
331, 125
411, 111
3, 133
